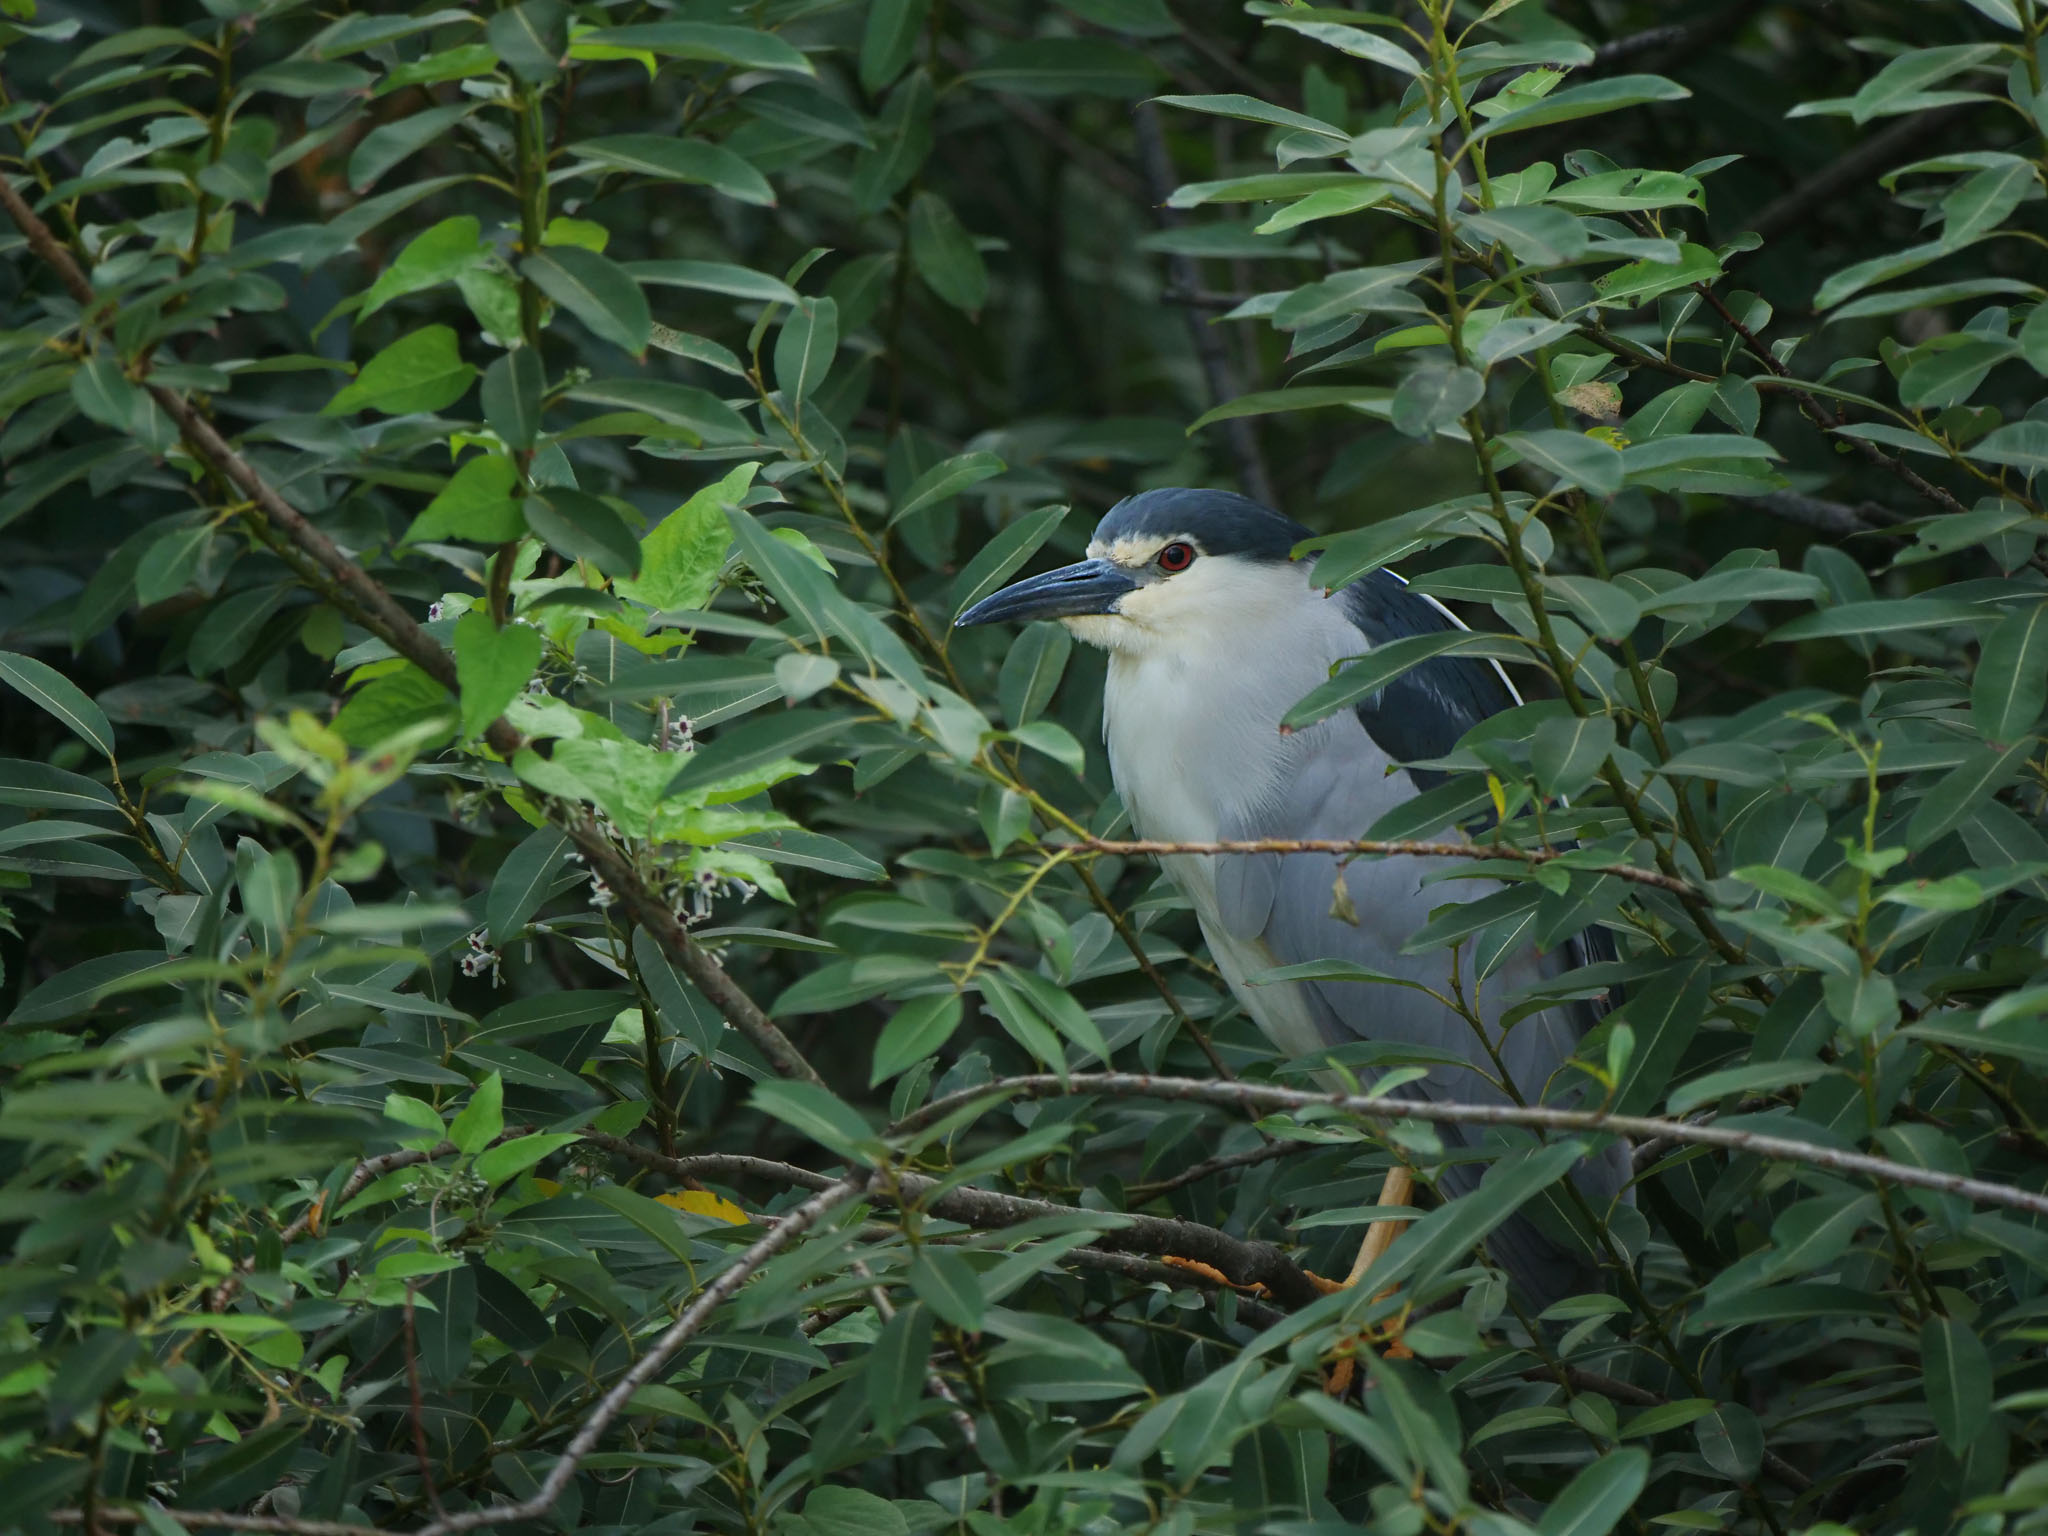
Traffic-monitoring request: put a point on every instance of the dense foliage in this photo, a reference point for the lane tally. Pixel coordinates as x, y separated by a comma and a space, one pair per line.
550, 990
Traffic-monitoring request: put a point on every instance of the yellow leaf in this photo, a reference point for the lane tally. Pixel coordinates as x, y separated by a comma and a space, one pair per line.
701, 1202
547, 1186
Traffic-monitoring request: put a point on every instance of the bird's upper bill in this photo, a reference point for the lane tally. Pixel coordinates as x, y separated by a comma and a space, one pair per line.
1071, 592
1143, 543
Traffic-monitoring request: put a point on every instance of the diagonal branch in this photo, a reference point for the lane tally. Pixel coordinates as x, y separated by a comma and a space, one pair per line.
1258, 1098
1242, 1263
382, 614
1367, 845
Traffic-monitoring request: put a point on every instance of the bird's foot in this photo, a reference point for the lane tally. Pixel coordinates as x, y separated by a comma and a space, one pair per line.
1215, 1276
1384, 1338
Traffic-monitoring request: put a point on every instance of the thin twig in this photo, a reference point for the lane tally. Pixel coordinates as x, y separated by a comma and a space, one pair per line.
1242, 1263
1258, 1098
419, 1411
787, 1229
381, 613
1157, 165
1194, 1174
1367, 845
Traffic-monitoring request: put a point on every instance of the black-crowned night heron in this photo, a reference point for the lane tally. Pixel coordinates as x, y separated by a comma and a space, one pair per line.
1214, 631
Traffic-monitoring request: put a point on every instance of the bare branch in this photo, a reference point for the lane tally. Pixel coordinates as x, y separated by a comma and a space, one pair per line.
787, 1229
1209, 348
279, 521
1258, 1098
1367, 845
1242, 1263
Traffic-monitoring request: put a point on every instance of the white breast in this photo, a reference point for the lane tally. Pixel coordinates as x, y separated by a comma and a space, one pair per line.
1191, 718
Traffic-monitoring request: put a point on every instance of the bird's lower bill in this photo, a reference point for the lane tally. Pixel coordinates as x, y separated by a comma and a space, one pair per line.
1090, 588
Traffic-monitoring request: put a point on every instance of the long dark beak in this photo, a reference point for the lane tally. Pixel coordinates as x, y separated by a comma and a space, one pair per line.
1092, 586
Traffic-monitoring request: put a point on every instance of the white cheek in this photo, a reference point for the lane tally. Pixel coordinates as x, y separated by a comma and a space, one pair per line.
1105, 631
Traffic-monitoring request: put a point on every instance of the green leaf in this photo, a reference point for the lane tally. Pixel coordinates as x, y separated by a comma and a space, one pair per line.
1814, 1233
477, 503
815, 1111
805, 348
1601, 606
509, 1159
421, 371
1641, 281
1032, 671
1590, 100
530, 38
1956, 1375
947, 1284
754, 744
1594, 1501
2022, 444
511, 396
1442, 1239
596, 290
1896, 87
945, 255
439, 254
1003, 554
388, 705
42, 787
492, 666
681, 560
523, 882
1384, 663
2010, 688
1574, 457
1885, 616
1066, 66
1434, 396
944, 480
482, 1120
1536, 234
914, 1031
1567, 753
678, 405
1250, 109
1983, 202
232, 626
695, 161
583, 527
1356, 41
1731, 1441
1950, 376
714, 277
386, 146
889, 40
51, 691
896, 1367
709, 42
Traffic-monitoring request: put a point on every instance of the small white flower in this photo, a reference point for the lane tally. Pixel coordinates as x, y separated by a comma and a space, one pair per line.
434, 611
601, 895
482, 957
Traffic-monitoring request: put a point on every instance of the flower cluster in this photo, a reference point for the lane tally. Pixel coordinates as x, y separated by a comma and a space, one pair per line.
482, 956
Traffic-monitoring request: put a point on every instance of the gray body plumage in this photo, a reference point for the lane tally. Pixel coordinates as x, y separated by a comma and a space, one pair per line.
1191, 716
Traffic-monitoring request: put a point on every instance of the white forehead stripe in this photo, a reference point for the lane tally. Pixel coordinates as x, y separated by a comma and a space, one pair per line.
1132, 549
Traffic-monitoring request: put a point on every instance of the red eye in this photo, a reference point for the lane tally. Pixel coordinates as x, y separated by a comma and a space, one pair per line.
1176, 557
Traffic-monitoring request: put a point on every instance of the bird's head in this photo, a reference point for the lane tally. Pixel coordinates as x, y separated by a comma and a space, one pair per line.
1163, 565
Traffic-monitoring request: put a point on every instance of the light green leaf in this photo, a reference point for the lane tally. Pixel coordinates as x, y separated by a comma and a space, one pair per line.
421, 371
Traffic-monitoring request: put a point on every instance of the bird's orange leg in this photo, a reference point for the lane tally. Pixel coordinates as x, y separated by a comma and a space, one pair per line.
1379, 1237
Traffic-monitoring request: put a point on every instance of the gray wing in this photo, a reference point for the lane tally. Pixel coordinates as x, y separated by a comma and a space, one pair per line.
1285, 904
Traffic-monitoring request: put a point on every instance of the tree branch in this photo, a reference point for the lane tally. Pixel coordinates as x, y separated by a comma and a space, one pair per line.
389, 621
786, 1230
1366, 845
1242, 1263
1258, 1098
1183, 275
